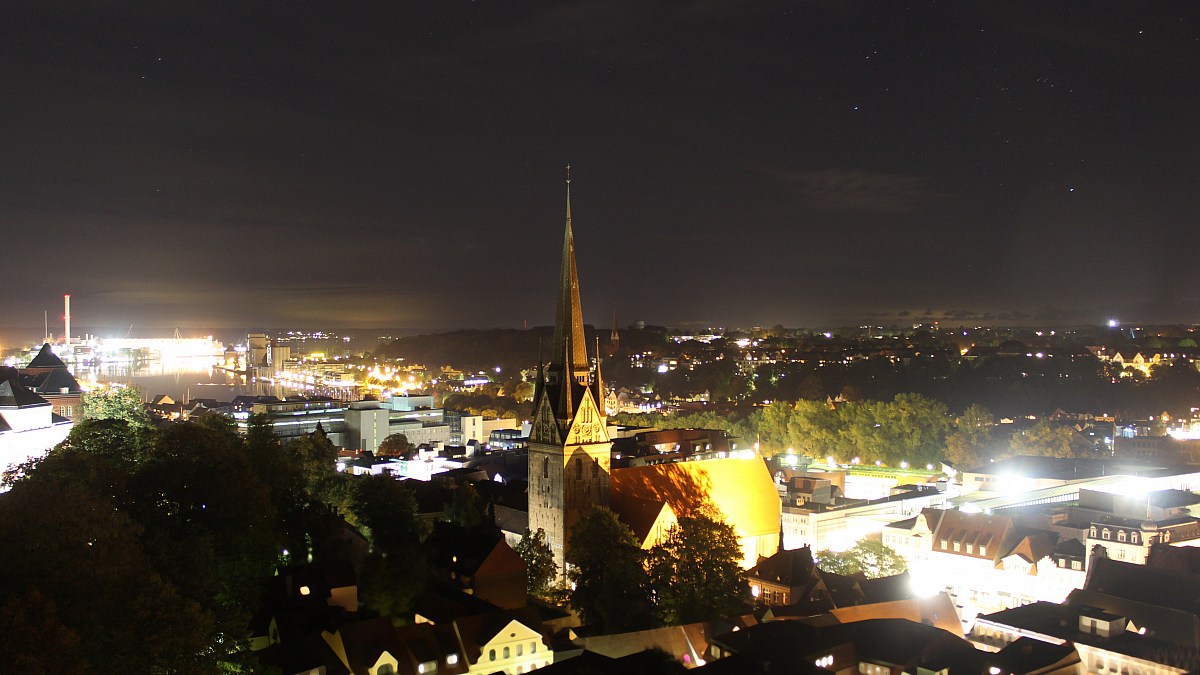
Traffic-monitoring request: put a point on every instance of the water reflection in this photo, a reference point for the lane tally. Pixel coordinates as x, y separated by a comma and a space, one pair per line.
181, 379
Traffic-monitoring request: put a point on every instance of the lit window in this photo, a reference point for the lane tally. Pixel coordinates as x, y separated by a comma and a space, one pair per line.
1076, 565
982, 550
452, 660
304, 590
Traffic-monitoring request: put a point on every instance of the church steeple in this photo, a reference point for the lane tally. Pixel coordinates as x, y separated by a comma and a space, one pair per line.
570, 454
570, 349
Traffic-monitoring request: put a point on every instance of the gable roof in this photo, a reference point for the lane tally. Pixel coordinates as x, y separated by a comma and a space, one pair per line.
14, 395
52, 382
1034, 546
974, 529
359, 645
641, 515
789, 567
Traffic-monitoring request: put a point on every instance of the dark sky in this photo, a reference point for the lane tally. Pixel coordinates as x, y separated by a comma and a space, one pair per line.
356, 164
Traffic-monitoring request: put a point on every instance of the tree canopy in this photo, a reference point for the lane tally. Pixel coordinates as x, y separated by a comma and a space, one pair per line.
868, 557
140, 548
695, 572
540, 569
608, 569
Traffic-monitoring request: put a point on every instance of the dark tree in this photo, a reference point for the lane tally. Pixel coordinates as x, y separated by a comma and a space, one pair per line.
612, 587
695, 572
540, 569
396, 445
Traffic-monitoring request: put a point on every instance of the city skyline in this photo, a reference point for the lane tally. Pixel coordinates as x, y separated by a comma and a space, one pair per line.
802, 164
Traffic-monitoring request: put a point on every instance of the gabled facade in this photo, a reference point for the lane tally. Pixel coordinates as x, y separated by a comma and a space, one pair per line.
569, 449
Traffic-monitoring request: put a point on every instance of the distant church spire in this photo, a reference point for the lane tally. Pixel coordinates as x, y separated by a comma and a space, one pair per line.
570, 348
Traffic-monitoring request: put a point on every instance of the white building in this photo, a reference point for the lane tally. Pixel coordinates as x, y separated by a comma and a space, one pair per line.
28, 425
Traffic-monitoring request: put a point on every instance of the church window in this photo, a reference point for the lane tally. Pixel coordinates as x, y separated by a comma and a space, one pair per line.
578, 468
545, 467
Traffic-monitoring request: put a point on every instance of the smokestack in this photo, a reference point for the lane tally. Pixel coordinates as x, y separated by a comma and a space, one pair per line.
67, 318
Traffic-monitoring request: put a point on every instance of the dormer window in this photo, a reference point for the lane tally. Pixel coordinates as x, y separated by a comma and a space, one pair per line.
1106, 534
1120, 535
1133, 537
1093, 532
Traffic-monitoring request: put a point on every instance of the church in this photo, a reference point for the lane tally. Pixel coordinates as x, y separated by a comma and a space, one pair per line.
570, 453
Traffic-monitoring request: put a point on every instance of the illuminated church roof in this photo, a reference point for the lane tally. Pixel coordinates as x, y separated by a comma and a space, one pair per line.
741, 489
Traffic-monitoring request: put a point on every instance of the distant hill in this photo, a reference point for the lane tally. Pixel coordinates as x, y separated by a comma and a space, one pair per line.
507, 348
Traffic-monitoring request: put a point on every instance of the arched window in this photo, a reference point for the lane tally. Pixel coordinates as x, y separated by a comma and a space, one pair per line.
545, 467
491, 655
578, 468
507, 653
1106, 534
1133, 537
1120, 535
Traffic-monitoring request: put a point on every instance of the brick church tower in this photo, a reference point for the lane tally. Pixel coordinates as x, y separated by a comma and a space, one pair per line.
569, 449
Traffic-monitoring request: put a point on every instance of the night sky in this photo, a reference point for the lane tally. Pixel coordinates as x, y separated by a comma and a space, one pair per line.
400, 164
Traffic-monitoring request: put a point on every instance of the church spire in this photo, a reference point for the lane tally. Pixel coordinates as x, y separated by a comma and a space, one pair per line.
570, 348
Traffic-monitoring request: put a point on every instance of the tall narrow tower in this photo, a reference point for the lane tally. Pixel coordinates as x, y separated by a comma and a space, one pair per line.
569, 450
